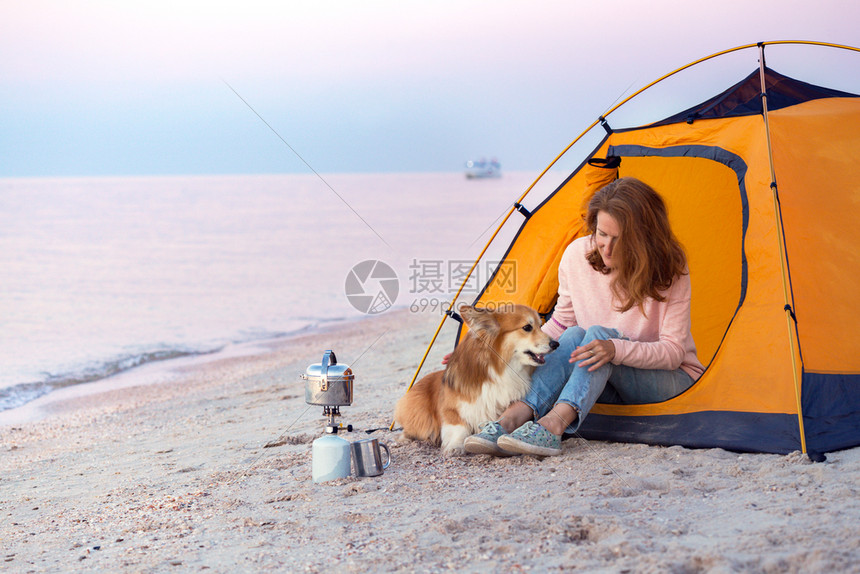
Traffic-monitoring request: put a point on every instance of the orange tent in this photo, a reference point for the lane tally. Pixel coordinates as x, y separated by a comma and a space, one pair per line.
762, 183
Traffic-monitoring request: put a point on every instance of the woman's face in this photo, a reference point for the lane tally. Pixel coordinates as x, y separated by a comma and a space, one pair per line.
608, 232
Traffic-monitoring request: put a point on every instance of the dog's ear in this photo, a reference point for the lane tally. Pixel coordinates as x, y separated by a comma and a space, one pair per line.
480, 320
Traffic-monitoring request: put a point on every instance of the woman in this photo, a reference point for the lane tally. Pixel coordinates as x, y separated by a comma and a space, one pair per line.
622, 321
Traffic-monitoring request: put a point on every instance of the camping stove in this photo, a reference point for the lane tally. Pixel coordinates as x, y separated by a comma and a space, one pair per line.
329, 384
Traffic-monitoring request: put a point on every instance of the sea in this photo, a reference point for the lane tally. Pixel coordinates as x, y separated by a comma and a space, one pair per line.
99, 276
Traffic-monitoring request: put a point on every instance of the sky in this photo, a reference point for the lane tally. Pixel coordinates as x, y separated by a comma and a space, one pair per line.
165, 87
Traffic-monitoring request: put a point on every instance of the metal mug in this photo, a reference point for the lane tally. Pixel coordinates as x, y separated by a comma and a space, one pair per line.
367, 457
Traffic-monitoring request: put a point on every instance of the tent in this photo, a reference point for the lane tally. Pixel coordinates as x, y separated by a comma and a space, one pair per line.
763, 190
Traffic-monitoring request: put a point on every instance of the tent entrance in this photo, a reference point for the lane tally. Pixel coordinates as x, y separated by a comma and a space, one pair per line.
705, 194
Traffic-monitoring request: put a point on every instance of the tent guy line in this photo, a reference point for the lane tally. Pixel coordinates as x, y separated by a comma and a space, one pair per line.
298, 155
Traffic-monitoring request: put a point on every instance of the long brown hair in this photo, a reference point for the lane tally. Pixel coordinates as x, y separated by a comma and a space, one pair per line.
648, 254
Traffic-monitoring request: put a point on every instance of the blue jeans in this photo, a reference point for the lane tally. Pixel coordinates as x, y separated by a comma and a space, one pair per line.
560, 381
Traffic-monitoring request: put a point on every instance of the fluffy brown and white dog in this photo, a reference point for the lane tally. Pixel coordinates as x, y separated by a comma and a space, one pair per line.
489, 369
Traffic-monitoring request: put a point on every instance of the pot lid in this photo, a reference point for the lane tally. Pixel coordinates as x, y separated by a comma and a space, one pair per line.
329, 368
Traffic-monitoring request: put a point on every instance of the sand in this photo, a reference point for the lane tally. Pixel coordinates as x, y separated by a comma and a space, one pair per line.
206, 466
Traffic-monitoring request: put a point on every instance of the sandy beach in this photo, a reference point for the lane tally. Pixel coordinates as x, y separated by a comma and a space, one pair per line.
209, 469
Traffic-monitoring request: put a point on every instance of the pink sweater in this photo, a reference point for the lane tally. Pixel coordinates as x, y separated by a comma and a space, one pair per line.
659, 339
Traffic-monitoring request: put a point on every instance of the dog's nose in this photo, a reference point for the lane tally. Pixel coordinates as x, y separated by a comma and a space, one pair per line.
553, 345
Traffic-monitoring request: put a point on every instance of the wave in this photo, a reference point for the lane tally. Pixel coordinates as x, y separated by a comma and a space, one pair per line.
17, 395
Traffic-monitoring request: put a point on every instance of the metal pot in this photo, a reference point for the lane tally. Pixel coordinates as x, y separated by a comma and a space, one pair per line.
327, 383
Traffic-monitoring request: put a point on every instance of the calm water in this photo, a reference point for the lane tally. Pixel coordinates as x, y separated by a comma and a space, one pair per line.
101, 275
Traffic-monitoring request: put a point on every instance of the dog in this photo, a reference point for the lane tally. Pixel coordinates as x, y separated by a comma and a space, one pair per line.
490, 369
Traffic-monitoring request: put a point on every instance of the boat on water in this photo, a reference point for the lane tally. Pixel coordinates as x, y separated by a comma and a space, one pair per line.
483, 168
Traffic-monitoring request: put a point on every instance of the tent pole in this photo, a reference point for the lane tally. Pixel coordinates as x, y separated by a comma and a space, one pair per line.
723, 53
782, 258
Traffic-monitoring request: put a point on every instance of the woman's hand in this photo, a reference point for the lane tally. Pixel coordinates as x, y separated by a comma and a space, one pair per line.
446, 358
594, 355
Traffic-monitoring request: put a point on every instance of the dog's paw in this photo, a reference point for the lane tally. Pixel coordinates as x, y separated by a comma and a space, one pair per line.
454, 451
453, 438
403, 439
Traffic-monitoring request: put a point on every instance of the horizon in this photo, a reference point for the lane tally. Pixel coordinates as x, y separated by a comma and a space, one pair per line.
91, 89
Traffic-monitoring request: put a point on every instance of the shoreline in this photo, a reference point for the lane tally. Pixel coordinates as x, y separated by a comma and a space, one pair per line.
162, 371
213, 472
